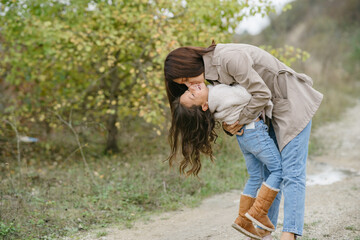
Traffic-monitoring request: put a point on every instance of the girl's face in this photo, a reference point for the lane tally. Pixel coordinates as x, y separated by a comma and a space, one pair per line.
191, 80
197, 94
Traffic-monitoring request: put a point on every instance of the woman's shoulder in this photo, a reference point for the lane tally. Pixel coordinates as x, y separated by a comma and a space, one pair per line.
236, 62
232, 52
233, 46
238, 50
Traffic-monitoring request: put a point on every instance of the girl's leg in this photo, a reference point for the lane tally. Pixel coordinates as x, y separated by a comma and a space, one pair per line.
273, 213
262, 147
247, 199
269, 155
259, 149
254, 169
294, 157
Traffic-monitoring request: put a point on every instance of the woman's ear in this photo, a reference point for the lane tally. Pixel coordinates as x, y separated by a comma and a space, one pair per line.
205, 106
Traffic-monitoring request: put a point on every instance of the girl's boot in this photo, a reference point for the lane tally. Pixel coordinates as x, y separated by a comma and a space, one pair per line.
242, 224
266, 235
259, 210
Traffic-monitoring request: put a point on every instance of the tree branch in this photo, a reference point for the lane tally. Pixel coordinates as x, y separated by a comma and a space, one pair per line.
69, 125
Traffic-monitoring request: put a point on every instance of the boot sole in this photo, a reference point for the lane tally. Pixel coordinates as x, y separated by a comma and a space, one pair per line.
243, 231
248, 216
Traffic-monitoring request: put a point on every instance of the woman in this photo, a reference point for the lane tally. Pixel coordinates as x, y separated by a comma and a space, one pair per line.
265, 78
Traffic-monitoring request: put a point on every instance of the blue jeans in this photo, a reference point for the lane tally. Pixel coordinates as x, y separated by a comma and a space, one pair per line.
294, 156
260, 151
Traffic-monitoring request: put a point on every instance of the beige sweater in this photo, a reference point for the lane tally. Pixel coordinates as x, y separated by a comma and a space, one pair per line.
226, 102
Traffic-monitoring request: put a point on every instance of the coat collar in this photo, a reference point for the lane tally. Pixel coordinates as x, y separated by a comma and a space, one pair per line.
211, 60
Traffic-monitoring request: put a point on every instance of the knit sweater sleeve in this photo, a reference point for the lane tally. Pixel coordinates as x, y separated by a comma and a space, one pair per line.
226, 102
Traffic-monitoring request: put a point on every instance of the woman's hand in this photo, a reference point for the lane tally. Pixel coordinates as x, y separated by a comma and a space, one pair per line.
233, 128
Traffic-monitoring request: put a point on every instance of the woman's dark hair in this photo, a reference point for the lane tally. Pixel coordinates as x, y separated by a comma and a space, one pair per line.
194, 130
183, 62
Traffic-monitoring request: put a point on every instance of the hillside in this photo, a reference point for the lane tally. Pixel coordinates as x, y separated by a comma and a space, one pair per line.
330, 32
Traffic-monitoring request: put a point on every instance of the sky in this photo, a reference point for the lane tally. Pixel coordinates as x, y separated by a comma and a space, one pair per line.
255, 24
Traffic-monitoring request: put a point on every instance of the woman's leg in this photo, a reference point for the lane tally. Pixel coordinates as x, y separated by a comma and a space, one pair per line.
294, 157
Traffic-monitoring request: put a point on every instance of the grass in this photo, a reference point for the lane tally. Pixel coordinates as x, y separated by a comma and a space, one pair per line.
311, 225
6, 230
351, 228
101, 234
51, 199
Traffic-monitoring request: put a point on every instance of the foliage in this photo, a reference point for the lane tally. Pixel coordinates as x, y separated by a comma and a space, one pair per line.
287, 54
101, 60
6, 230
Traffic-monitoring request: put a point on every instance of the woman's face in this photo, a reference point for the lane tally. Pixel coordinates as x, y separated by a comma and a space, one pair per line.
191, 80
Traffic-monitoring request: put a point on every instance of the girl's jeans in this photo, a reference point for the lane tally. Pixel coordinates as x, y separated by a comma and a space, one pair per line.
293, 156
260, 151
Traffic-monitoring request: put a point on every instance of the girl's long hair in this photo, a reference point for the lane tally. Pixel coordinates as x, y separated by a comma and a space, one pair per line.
194, 130
183, 62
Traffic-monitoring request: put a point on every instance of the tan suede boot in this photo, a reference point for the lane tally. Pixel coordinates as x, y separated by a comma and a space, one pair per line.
258, 212
266, 235
242, 224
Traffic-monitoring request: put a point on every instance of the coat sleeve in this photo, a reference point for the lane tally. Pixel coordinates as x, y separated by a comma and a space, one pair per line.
239, 65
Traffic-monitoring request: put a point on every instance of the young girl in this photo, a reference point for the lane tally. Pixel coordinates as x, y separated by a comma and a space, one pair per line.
194, 115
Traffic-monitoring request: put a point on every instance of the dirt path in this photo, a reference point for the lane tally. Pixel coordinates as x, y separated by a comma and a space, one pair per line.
332, 198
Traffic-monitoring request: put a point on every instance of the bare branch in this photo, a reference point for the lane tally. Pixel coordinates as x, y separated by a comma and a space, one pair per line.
80, 147
17, 145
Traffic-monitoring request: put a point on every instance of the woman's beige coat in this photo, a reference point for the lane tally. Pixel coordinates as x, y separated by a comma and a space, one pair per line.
265, 77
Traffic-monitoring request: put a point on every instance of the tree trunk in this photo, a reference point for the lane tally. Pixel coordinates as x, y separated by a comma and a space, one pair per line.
111, 143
